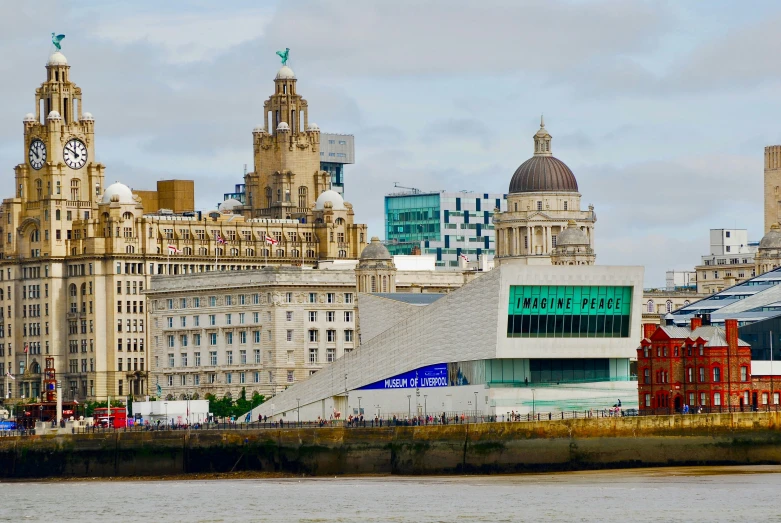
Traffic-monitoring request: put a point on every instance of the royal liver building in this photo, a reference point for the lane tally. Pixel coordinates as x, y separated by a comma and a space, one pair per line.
76, 255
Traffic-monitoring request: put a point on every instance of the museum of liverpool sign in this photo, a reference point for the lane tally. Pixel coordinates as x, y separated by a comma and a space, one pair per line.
553, 311
423, 377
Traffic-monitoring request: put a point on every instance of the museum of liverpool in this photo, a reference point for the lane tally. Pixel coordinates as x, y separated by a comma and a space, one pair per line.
518, 338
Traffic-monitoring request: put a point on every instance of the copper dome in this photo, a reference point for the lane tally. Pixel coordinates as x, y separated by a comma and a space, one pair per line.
543, 173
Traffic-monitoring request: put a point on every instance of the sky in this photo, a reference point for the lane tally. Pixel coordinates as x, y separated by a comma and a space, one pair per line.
661, 109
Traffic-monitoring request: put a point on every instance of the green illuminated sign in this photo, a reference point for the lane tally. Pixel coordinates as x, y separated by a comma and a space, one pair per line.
569, 311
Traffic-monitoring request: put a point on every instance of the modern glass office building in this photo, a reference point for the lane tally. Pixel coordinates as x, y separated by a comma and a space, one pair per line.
443, 224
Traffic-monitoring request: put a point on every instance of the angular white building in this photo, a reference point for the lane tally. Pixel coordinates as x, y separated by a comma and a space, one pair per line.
521, 337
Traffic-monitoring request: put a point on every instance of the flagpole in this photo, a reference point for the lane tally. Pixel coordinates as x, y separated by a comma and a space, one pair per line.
267, 247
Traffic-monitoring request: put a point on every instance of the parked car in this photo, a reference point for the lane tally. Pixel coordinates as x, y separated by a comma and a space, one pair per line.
630, 412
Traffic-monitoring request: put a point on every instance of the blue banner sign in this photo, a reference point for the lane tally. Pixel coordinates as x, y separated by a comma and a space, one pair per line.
424, 377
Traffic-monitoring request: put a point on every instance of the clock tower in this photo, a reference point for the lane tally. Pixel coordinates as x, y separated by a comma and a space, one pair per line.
60, 180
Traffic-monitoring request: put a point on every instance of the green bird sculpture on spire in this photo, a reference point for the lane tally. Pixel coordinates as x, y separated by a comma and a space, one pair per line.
56, 39
282, 55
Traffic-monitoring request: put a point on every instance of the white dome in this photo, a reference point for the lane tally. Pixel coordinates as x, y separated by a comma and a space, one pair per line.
121, 191
259, 129
332, 197
57, 58
54, 115
29, 117
285, 73
313, 127
87, 116
283, 126
230, 204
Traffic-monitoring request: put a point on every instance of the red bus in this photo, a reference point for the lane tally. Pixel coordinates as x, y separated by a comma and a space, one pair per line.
117, 418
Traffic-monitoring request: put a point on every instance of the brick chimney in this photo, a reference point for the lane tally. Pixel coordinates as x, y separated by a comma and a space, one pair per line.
696, 323
731, 333
649, 329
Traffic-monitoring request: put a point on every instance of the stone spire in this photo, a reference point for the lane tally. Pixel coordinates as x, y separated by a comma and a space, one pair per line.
542, 140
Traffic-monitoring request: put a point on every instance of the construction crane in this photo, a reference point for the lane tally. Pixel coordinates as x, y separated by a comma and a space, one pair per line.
411, 189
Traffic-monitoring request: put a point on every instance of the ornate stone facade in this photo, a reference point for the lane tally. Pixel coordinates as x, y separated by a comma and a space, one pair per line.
76, 258
542, 200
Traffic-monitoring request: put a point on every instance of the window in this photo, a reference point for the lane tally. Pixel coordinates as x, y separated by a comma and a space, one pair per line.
170, 341
183, 340
212, 319
330, 316
242, 357
171, 359
647, 400
312, 355
256, 354
213, 338
348, 335
243, 337
289, 336
197, 357
213, 357
290, 378
745, 400
539, 206
196, 302
690, 375
241, 318
229, 300
227, 319
228, 377
196, 321
331, 336
650, 306
184, 359
289, 315
717, 399
256, 377
702, 398
313, 336
229, 338
647, 376
348, 316
312, 315
348, 297
288, 297
312, 297
229, 357
716, 374
776, 398
331, 297
197, 340
256, 336
744, 374
702, 374
765, 398
183, 321
212, 301
170, 321
255, 317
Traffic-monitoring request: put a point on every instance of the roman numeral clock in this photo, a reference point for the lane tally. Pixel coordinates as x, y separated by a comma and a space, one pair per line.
37, 154
75, 153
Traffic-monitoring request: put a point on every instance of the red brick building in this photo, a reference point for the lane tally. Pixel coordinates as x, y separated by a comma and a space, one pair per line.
700, 366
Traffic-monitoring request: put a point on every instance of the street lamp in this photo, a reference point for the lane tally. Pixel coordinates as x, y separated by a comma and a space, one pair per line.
298, 410
476, 405
409, 406
359, 405
165, 403
425, 408
532, 403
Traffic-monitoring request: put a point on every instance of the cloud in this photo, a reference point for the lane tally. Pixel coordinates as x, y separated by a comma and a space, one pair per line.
467, 130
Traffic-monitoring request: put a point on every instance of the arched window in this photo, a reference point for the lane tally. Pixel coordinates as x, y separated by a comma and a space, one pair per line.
565, 206
72, 289
281, 253
35, 236
250, 252
203, 251
57, 214
669, 306
295, 253
219, 251
83, 289
127, 216
374, 284
188, 250
129, 249
339, 221
234, 251
650, 305
717, 399
342, 254
302, 197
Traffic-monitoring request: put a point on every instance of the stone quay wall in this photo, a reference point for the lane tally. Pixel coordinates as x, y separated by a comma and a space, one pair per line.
482, 448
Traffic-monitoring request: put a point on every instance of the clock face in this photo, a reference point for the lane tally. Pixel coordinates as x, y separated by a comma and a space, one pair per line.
75, 154
37, 154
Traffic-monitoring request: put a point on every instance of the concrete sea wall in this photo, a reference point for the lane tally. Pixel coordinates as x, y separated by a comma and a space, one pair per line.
717, 439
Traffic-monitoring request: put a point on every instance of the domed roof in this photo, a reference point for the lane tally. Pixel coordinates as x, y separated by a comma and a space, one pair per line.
57, 58
572, 235
542, 172
283, 126
29, 117
313, 127
375, 251
87, 116
121, 191
230, 204
771, 240
330, 197
259, 129
54, 115
286, 73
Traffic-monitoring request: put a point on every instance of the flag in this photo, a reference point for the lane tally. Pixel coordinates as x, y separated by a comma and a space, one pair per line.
26, 347
220, 239
173, 250
271, 240
8, 374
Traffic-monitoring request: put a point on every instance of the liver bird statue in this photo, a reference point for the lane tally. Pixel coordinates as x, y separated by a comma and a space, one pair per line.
282, 55
56, 39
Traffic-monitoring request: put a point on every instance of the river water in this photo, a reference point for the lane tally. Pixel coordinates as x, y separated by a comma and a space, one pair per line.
693, 494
